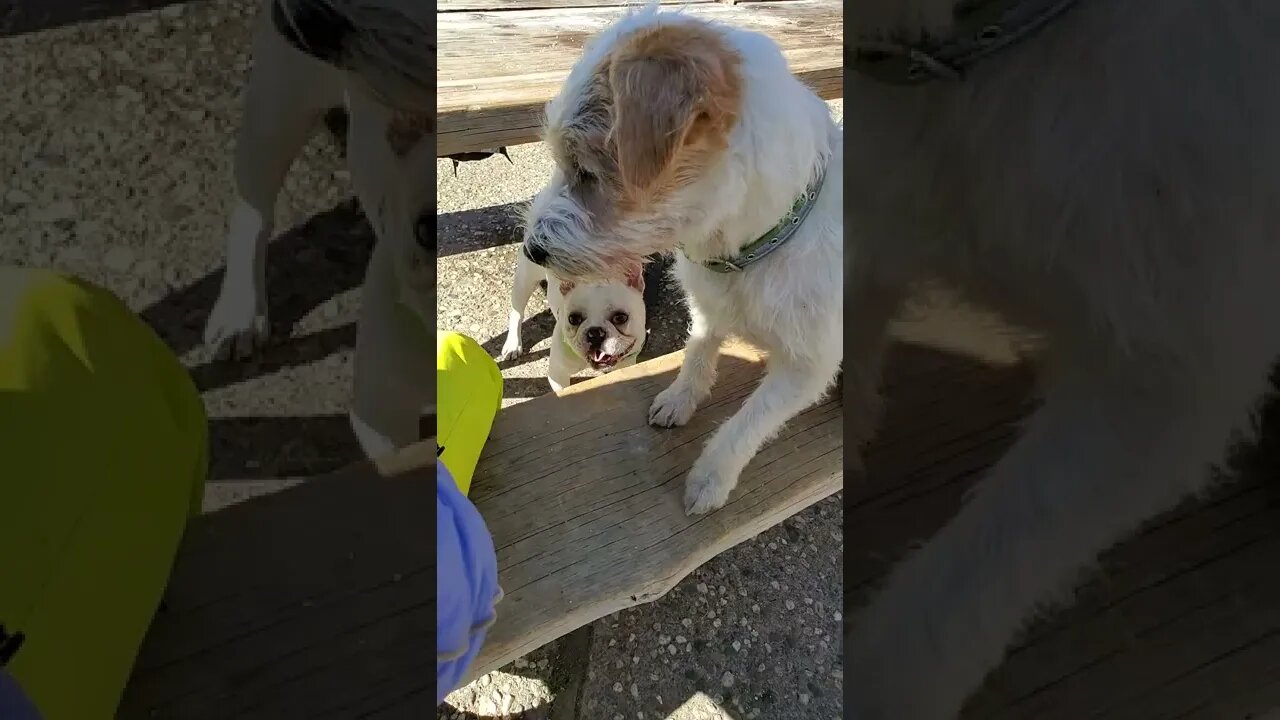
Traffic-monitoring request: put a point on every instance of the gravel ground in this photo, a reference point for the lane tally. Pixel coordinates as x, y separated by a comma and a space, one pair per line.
752, 634
115, 165
115, 149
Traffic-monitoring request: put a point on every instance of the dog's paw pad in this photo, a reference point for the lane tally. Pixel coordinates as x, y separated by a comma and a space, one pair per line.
672, 408
706, 490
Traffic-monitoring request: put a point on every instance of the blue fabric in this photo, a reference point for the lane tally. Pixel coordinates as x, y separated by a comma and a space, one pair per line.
14, 704
466, 583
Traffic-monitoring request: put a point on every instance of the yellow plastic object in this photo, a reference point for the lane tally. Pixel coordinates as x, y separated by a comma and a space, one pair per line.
468, 396
103, 447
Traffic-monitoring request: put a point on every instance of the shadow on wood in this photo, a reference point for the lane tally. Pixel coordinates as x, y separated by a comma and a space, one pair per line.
316, 602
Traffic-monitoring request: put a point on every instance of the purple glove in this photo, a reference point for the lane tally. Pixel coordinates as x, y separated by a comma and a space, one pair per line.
14, 704
466, 583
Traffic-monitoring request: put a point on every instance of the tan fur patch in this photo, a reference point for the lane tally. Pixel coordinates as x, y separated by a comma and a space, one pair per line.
677, 91
654, 113
405, 131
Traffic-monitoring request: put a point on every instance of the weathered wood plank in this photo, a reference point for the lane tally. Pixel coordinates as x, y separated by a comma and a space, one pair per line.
498, 69
317, 602
585, 499
446, 6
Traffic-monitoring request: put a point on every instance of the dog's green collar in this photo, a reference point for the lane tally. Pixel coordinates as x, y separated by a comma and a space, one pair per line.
981, 28
775, 237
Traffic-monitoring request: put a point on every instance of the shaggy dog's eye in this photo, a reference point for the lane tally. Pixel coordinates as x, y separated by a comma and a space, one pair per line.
620, 318
575, 319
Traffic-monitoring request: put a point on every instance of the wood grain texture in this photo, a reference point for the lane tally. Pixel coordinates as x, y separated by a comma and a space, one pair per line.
448, 6
316, 602
445, 6
585, 499
498, 69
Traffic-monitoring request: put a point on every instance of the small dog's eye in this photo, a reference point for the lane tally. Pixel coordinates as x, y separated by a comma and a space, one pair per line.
620, 318
575, 319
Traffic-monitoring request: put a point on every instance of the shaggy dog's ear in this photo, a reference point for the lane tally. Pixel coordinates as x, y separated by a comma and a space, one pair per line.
316, 28
389, 44
673, 86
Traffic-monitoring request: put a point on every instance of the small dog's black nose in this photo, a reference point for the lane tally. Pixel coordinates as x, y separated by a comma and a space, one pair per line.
595, 335
536, 253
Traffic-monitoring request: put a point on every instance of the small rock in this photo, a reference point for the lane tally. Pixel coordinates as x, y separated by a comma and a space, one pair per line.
617, 687
53, 212
671, 649
727, 679
804, 698
118, 259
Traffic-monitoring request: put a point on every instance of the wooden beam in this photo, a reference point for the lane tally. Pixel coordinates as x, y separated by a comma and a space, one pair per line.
498, 69
584, 498
317, 601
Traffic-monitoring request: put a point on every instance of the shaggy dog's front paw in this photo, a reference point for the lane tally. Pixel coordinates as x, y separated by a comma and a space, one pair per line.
673, 407
708, 486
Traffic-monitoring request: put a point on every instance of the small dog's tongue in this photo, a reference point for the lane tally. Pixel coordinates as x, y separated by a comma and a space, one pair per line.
600, 357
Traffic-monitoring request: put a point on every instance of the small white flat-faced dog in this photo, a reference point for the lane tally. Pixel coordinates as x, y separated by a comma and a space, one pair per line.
599, 324
1112, 182
376, 59
672, 132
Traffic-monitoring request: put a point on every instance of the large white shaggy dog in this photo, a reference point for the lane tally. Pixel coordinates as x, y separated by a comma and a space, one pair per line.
376, 60
674, 133
1112, 181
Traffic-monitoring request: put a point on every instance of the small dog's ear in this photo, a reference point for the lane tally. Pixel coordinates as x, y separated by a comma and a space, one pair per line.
635, 278
566, 287
672, 85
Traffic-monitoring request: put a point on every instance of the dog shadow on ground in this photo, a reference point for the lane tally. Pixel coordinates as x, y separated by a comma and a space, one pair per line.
307, 265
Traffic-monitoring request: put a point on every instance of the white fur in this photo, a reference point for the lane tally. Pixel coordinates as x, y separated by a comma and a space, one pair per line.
596, 301
788, 304
1113, 182
287, 94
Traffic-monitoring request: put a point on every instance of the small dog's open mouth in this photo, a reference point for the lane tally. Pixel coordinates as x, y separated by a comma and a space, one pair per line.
601, 360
